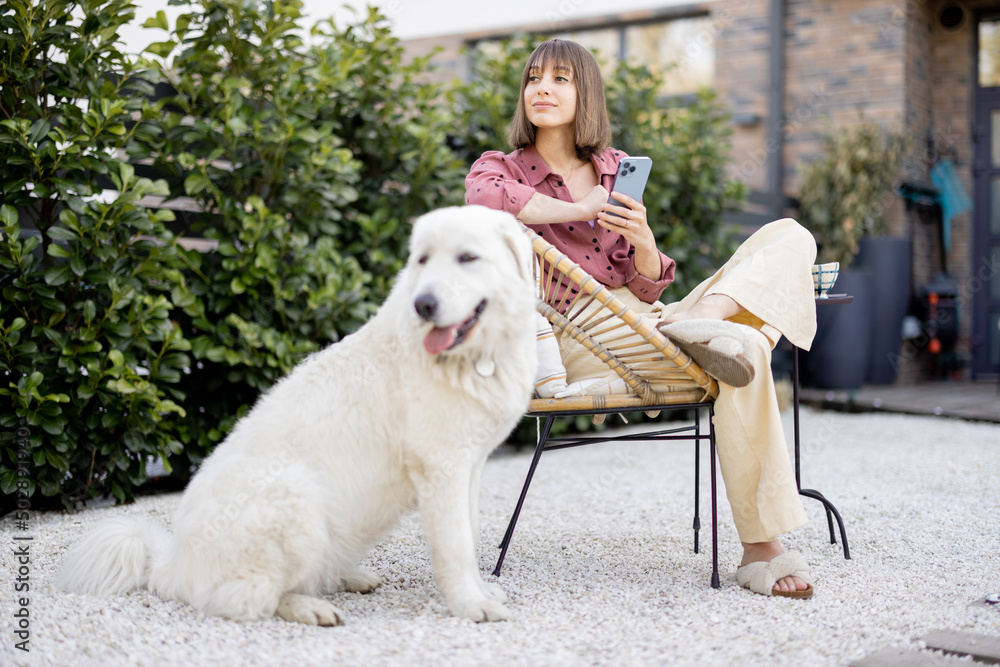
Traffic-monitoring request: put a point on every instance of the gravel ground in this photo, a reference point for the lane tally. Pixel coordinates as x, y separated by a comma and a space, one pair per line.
601, 570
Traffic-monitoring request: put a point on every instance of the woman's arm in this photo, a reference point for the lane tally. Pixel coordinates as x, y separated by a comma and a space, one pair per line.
647, 262
544, 210
496, 182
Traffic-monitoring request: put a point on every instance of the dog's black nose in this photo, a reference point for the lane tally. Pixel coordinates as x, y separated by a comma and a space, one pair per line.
426, 305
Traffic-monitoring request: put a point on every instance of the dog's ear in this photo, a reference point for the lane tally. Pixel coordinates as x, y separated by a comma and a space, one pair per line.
512, 233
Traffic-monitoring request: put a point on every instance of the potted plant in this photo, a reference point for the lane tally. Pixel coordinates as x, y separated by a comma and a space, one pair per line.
845, 198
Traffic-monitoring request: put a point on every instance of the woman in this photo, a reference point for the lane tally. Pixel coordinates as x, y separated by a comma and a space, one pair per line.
556, 181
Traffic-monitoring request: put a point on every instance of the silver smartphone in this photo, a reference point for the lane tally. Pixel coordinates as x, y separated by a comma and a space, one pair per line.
633, 172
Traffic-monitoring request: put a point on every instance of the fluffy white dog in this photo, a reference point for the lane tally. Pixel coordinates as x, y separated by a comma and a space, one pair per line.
402, 413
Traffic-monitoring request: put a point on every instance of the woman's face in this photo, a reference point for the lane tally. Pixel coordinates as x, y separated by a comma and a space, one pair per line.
550, 96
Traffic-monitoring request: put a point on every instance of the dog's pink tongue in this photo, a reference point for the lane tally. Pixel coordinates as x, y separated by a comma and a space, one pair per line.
440, 339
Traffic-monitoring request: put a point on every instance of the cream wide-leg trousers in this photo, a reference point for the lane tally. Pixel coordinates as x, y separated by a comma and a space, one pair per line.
770, 276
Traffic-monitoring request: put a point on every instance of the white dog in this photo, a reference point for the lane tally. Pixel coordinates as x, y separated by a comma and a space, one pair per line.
402, 413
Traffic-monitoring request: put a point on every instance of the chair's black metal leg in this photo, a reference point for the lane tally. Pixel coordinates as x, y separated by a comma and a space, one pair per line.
697, 476
715, 516
795, 411
816, 495
542, 438
829, 524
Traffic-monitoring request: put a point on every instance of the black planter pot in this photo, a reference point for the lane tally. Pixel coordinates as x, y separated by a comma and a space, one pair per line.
887, 260
839, 355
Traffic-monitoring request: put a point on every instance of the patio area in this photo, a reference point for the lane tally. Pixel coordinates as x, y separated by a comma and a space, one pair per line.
978, 401
601, 569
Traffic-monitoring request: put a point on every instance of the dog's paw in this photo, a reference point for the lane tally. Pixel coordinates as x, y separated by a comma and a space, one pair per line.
492, 591
361, 581
305, 609
482, 610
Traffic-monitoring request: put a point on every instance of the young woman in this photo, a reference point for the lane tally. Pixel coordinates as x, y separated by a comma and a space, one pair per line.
557, 182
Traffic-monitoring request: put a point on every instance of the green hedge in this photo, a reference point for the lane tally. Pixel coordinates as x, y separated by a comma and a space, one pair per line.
307, 163
89, 355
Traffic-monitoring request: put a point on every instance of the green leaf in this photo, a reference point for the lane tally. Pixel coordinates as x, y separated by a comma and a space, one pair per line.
161, 49
159, 21
56, 250
166, 463
58, 233
8, 482
195, 182
54, 428
8, 214
69, 219
121, 386
58, 275
119, 329
38, 130
34, 380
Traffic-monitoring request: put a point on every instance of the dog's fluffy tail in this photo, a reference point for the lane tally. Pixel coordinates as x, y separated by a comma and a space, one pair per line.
114, 558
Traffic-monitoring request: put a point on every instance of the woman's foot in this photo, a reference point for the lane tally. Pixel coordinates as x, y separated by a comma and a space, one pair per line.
722, 349
754, 552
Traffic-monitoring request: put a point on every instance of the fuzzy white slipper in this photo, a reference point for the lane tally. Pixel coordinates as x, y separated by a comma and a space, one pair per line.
718, 346
760, 577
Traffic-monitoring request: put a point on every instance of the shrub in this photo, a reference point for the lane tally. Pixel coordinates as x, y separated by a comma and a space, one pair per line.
396, 125
89, 357
308, 164
846, 193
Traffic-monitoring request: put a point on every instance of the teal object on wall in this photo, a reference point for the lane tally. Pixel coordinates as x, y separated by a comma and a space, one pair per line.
951, 196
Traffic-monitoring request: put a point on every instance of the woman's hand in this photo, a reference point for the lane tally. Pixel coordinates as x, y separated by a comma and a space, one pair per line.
593, 203
632, 225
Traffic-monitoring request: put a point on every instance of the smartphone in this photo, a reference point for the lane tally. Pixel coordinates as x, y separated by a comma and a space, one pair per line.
633, 172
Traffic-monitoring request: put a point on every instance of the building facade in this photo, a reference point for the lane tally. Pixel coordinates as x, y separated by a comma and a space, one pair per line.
791, 71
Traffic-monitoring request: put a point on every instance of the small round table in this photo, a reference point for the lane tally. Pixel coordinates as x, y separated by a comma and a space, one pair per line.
831, 510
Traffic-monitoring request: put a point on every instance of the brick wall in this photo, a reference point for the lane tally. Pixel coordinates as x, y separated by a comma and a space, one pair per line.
847, 56
742, 49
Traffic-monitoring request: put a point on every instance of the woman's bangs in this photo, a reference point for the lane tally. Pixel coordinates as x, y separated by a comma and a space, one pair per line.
554, 53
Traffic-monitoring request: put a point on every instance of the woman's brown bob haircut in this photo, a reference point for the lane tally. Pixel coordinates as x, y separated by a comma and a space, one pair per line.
593, 129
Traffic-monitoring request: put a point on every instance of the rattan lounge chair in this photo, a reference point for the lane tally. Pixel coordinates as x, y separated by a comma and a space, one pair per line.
659, 376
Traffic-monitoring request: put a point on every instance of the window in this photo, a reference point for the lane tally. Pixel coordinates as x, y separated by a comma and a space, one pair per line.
682, 50
989, 52
606, 43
